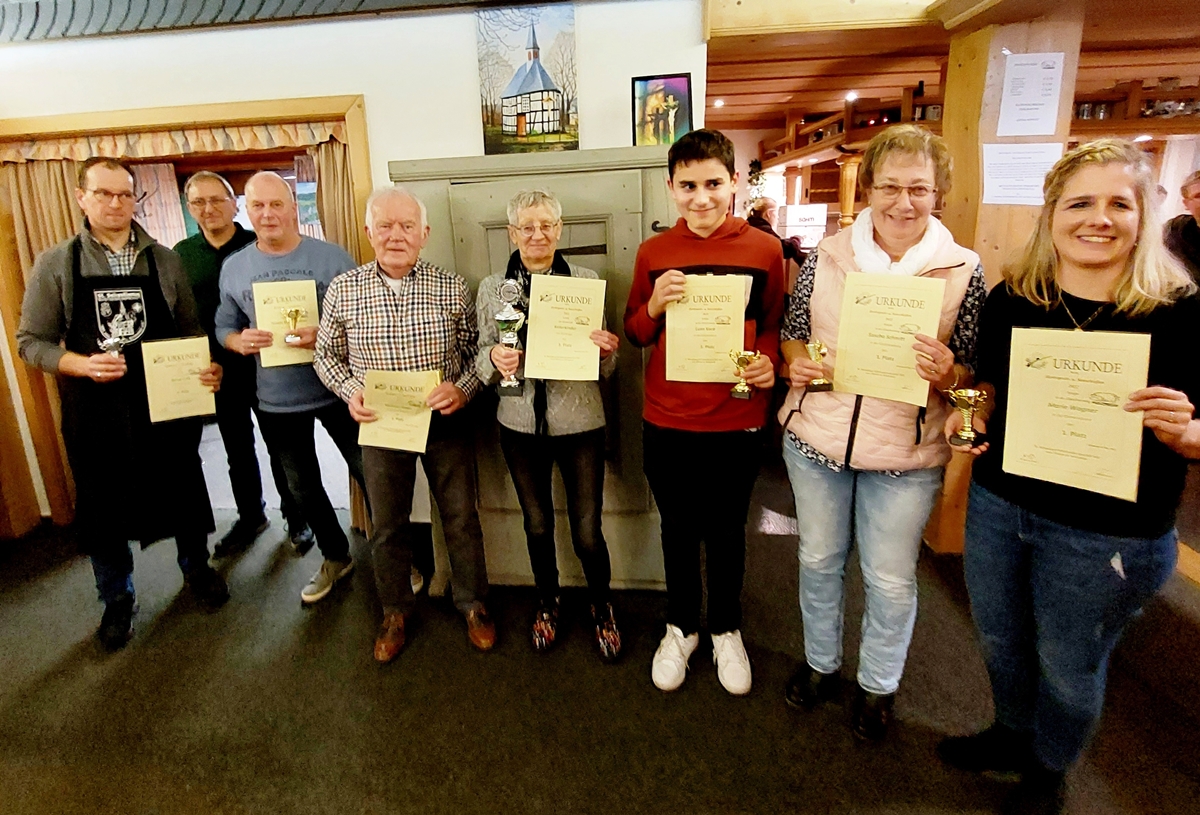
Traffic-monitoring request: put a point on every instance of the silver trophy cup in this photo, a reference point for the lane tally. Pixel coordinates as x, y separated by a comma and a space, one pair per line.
509, 321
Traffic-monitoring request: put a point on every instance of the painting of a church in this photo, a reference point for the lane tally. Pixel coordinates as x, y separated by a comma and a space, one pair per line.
532, 103
528, 79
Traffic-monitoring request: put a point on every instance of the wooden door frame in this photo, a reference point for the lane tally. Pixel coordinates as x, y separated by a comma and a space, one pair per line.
349, 109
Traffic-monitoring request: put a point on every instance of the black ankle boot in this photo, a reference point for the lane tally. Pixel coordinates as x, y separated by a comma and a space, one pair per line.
808, 687
871, 714
998, 749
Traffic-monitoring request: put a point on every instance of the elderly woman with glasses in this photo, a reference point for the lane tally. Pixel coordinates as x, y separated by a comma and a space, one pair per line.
1055, 571
866, 468
545, 422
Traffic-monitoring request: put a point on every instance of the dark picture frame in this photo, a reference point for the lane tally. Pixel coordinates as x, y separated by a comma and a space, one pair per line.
662, 108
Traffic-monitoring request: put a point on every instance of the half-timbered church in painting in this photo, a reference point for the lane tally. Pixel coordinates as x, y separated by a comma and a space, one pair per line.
532, 103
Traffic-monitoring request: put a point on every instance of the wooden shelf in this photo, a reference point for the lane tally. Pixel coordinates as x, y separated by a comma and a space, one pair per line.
1132, 128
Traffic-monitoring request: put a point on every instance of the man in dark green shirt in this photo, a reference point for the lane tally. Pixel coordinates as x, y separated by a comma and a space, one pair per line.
211, 201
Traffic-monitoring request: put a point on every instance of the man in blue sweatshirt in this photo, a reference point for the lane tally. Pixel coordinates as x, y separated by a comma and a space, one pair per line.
291, 397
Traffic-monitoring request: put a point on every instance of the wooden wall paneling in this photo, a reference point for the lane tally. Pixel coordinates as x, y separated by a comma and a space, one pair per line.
974, 84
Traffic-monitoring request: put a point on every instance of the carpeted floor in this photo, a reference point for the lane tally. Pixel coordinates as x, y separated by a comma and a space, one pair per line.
267, 707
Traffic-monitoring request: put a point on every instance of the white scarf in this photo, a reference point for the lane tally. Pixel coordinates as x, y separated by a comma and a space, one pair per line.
871, 259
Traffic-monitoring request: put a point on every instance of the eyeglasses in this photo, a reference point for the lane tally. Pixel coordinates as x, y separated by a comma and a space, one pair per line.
890, 192
108, 196
201, 203
529, 230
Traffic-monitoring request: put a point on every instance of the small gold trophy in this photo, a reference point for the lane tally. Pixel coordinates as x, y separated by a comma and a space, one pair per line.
816, 352
743, 360
967, 401
292, 316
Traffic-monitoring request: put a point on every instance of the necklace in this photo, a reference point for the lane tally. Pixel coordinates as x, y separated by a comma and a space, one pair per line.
1078, 325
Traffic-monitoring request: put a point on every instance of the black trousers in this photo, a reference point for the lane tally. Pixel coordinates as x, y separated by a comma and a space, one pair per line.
449, 462
580, 458
235, 400
290, 436
702, 484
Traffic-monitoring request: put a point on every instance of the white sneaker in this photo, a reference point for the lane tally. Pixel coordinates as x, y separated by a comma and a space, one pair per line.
416, 580
733, 666
322, 582
670, 660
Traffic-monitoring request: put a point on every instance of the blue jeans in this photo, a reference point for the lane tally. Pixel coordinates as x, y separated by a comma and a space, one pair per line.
886, 516
112, 564
1049, 603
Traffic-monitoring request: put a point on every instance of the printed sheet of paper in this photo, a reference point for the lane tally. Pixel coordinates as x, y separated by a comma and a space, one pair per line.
173, 386
398, 397
1014, 173
703, 327
1064, 421
1030, 96
563, 312
880, 316
272, 302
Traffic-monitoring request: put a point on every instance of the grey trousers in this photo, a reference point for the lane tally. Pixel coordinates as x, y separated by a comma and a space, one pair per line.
449, 461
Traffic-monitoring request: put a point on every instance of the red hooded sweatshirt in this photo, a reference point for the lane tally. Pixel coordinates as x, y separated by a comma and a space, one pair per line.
735, 248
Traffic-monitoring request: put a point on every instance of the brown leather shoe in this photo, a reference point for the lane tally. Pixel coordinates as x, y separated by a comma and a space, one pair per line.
481, 631
390, 641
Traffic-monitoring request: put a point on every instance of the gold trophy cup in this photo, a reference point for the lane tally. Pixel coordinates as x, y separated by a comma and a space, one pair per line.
967, 401
292, 316
816, 352
743, 360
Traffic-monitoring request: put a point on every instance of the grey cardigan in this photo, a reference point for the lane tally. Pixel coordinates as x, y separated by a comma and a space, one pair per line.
571, 407
49, 296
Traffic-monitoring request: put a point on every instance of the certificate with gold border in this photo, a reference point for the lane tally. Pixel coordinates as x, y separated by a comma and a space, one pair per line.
563, 313
704, 326
173, 387
1065, 423
402, 417
881, 314
272, 301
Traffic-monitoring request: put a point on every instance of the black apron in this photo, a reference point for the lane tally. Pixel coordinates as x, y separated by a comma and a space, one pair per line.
133, 480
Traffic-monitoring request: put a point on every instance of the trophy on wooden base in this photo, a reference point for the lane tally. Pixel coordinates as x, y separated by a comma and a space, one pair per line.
967, 401
743, 360
816, 352
293, 316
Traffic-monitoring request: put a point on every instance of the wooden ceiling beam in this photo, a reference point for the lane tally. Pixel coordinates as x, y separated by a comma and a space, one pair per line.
821, 85
787, 68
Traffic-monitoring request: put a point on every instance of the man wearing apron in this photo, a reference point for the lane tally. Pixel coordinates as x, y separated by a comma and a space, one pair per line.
90, 304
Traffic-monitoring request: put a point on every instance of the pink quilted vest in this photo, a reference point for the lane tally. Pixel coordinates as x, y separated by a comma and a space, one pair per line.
887, 435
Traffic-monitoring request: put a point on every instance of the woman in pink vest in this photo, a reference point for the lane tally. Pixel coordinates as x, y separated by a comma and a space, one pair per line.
866, 468
1056, 570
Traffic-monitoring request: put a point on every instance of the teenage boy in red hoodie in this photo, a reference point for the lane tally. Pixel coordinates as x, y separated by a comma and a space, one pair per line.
701, 446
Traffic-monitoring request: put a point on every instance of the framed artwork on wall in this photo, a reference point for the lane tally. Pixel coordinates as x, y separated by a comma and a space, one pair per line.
527, 78
662, 108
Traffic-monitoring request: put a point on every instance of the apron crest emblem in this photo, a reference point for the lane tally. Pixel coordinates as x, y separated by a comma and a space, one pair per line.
121, 314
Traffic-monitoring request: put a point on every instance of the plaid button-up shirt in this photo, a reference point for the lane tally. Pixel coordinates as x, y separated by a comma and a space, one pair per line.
429, 324
122, 261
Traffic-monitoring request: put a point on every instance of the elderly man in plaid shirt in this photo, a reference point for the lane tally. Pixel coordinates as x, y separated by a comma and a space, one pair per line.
400, 313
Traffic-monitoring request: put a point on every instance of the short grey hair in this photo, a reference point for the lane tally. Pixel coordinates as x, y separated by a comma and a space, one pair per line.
1191, 181
394, 192
207, 175
533, 198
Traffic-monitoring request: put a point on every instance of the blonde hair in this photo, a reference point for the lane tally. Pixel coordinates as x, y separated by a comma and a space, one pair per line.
909, 140
1152, 277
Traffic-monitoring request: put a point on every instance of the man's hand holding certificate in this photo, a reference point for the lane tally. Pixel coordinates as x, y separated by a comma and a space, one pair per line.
176, 381
289, 310
1066, 423
394, 413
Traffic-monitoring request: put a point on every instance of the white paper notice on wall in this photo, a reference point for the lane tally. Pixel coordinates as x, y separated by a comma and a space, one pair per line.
1013, 173
1029, 100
